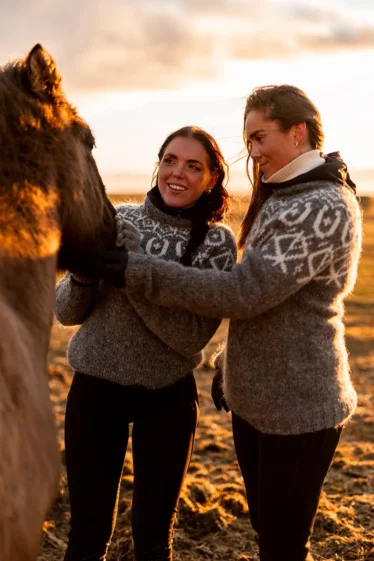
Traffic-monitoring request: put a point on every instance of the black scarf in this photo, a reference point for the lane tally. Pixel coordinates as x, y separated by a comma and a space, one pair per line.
197, 215
334, 169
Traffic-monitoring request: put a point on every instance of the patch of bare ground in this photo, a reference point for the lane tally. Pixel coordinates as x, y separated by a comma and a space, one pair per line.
213, 516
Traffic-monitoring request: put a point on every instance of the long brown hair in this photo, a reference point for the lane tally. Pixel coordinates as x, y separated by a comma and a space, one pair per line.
287, 105
210, 208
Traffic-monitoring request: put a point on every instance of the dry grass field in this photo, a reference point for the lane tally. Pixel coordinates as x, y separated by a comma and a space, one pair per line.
213, 519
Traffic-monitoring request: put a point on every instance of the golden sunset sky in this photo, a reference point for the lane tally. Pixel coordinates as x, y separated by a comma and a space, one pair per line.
139, 69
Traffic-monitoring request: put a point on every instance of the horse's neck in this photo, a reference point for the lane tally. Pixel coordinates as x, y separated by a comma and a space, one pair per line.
27, 290
29, 241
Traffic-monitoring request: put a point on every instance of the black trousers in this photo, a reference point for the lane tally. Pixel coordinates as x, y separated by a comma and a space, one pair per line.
283, 476
97, 421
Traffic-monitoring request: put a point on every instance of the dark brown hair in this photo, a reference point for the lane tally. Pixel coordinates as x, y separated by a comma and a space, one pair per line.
212, 207
288, 105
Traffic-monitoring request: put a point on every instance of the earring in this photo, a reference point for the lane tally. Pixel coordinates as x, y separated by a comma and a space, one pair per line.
296, 144
209, 191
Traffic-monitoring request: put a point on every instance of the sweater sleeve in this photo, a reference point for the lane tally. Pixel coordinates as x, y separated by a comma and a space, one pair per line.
184, 331
73, 303
292, 247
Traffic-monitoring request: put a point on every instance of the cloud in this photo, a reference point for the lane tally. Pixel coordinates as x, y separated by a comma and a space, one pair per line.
285, 29
139, 44
109, 46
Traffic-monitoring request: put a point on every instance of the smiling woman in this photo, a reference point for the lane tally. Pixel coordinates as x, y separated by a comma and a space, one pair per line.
184, 173
134, 360
191, 172
270, 147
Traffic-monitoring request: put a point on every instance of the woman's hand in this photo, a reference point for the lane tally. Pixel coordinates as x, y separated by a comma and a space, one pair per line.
128, 236
109, 266
217, 392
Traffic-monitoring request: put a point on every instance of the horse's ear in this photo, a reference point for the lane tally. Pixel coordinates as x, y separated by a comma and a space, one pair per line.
43, 73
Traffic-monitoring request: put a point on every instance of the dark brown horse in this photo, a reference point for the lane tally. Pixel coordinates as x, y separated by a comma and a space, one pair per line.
53, 207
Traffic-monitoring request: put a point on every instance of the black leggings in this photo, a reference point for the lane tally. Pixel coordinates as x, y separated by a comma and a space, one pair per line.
283, 476
97, 421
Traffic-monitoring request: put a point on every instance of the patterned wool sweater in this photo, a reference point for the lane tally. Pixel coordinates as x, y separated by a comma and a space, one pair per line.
127, 339
285, 367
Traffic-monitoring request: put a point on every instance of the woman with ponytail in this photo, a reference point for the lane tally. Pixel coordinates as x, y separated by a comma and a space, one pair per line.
133, 359
285, 368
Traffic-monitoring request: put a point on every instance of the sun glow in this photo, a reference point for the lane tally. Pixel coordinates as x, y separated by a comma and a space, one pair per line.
34, 233
130, 126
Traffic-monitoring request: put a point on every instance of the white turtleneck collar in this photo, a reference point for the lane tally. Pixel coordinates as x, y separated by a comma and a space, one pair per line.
302, 164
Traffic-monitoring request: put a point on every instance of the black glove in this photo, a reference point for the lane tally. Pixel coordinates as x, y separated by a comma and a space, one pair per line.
110, 266
217, 392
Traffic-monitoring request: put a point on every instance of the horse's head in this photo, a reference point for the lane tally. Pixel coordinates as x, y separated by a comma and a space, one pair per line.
49, 182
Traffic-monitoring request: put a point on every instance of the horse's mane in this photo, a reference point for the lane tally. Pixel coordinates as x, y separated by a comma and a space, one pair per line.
34, 127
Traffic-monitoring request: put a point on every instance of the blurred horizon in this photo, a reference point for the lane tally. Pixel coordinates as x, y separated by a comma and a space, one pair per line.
125, 183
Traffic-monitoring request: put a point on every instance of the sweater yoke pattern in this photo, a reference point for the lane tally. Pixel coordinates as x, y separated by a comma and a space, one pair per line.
309, 235
167, 239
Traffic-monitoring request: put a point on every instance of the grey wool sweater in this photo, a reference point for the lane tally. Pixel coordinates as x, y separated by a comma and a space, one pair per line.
127, 339
285, 364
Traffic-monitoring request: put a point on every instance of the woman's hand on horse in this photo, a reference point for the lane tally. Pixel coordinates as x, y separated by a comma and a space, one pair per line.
128, 236
109, 266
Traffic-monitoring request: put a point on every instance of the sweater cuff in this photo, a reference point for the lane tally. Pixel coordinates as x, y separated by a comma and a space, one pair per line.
136, 270
82, 281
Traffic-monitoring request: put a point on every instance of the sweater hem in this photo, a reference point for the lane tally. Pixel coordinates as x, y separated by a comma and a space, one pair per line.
294, 426
132, 379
